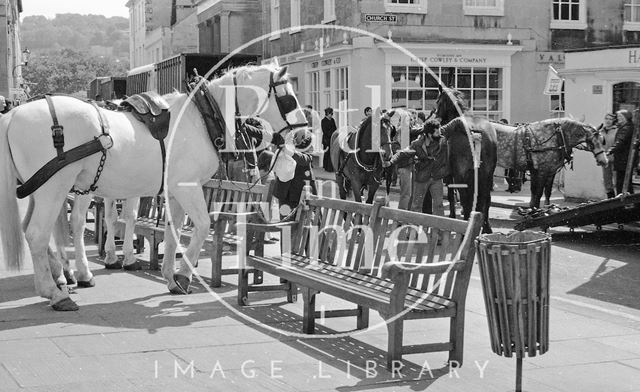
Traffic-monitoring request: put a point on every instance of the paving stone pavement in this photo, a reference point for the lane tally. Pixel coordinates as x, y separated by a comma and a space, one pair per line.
131, 335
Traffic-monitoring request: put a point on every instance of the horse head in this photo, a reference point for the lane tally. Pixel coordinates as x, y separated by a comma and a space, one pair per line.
576, 132
450, 104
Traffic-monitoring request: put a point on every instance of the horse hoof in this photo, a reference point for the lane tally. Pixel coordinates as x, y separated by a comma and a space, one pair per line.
133, 267
65, 305
87, 283
70, 277
113, 266
182, 283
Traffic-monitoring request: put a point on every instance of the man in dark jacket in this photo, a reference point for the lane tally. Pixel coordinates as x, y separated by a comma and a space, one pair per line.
328, 125
429, 152
621, 147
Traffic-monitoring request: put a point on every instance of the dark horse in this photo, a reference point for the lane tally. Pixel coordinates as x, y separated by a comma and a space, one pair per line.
357, 165
461, 133
543, 147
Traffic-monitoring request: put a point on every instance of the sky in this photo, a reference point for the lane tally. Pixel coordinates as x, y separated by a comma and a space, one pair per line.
50, 8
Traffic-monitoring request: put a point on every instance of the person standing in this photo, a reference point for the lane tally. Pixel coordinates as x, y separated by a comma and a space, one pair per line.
328, 125
430, 154
608, 131
620, 149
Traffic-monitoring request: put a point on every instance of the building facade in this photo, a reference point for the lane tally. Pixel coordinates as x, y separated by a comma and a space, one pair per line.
497, 52
12, 85
226, 25
601, 39
161, 28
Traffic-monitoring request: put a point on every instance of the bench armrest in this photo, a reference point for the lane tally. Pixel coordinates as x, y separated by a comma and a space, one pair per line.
393, 269
268, 227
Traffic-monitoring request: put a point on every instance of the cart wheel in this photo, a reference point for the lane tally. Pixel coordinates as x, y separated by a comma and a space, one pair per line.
620, 226
598, 227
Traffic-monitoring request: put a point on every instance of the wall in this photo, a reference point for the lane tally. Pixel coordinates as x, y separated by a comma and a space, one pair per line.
184, 36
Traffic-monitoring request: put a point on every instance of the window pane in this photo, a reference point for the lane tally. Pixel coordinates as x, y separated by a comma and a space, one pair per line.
399, 74
327, 79
415, 99
495, 99
430, 81
494, 78
479, 100
466, 94
564, 11
556, 10
464, 78
479, 77
415, 77
398, 98
575, 14
447, 75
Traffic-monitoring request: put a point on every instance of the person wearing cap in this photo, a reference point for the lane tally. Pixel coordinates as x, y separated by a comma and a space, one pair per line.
620, 149
429, 152
608, 131
289, 192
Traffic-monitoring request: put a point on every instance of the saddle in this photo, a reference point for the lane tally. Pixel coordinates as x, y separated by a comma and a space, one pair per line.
152, 110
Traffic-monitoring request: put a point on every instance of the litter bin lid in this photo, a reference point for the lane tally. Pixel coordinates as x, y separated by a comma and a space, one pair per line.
514, 237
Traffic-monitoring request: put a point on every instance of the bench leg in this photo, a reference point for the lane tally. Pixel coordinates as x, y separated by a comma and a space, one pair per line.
243, 287
216, 258
394, 348
308, 318
363, 318
292, 292
154, 253
456, 333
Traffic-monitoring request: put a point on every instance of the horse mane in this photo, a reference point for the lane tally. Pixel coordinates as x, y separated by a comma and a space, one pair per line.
448, 106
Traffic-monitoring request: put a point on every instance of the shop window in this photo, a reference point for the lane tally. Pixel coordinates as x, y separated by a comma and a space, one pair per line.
342, 86
275, 19
626, 95
569, 14
416, 88
313, 96
631, 15
556, 104
406, 6
329, 11
484, 7
295, 16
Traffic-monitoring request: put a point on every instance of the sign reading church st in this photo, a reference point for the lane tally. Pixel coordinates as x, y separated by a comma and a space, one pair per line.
380, 18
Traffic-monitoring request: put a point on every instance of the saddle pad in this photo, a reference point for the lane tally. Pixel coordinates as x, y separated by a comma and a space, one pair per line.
147, 102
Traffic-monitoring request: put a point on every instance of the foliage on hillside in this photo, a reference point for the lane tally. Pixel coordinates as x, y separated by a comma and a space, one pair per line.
70, 50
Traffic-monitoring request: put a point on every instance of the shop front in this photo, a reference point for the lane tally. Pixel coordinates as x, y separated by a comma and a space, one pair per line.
597, 82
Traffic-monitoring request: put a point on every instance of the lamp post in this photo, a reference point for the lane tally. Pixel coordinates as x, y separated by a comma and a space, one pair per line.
26, 53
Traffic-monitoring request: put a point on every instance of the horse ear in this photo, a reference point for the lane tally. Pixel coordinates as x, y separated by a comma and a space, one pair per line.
282, 72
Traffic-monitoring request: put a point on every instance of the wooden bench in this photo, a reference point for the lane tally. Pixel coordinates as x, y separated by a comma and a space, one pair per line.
403, 264
227, 202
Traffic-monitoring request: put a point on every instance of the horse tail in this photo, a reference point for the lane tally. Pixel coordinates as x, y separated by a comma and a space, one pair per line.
10, 228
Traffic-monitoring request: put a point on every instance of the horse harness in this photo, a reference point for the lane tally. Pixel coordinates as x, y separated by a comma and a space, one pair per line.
561, 145
63, 158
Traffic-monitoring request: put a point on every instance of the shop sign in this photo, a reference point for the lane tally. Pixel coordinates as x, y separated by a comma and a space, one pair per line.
457, 59
380, 18
596, 89
634, 56
550, 57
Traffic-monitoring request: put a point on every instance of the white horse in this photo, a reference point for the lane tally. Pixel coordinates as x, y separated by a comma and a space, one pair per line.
132, 167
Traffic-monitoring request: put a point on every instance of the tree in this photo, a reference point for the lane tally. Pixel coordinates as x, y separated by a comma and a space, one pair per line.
68, 71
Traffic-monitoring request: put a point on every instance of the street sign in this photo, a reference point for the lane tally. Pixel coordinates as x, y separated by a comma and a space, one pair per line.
380, 18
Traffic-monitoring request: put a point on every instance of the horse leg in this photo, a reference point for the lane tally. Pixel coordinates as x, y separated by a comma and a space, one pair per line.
110, 217
46, 206
548, 188
342, 189
60, 238
170, 246
195, 206
372, 189
484, 201
129, 210
78, 222
536, 189
451, 197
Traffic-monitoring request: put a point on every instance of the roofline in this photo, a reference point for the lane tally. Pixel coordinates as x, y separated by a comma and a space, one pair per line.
596, 48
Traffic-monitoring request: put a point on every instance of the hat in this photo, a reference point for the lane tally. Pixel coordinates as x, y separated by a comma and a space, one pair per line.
430, 126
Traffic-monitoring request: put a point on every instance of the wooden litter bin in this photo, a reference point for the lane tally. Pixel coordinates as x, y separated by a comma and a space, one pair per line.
514, 269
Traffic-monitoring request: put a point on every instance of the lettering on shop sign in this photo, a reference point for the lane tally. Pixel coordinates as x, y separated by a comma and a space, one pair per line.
326, 62
453, 59
634, 56
596, 89
550, 57
380, 18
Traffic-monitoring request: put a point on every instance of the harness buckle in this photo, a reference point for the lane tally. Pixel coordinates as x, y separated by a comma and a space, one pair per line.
58, 135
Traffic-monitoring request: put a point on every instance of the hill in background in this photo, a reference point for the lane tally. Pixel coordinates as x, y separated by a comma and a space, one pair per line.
93, 34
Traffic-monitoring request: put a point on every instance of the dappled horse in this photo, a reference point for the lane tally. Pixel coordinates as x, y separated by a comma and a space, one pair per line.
132, 168
461, 133
359, 165
543, 147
